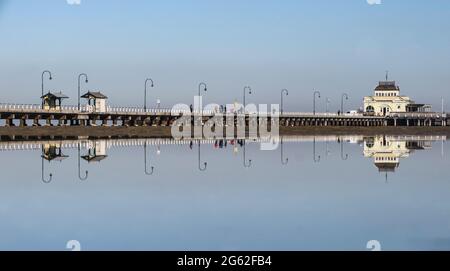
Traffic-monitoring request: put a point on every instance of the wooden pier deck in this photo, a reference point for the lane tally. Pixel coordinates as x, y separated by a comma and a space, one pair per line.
34, 115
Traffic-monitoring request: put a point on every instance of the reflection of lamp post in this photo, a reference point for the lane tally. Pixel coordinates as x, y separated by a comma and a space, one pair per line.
316, 159
205, 164
245, 92
42, 171
42, 86
145, 162
316, 93
79, 163
342, 151
145, 92
327, 149
284, 162
79, 88
284, 91
342, 101
248, 163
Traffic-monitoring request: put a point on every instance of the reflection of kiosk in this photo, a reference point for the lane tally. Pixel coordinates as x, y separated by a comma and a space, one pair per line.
52, 101
53, 152
96, 152
96, 101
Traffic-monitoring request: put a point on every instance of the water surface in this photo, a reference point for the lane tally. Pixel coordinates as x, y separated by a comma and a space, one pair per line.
318, 193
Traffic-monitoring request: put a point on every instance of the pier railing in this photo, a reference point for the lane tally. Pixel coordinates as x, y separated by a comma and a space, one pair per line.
312, 115
37, 108
417, 115
86, 109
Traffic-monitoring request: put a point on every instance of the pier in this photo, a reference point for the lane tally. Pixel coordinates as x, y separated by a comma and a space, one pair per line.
35, 115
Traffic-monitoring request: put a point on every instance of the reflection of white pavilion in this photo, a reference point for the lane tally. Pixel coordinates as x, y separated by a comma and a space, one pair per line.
53, 152
387, 151
96, 151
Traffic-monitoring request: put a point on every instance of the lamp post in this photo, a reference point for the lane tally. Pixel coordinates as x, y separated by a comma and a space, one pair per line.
345, 95
316, 93
79, 165
79, 88
42, 85
145, 91
286, 92
245, 92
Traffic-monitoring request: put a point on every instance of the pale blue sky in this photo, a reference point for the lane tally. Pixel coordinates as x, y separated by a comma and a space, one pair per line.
300, 45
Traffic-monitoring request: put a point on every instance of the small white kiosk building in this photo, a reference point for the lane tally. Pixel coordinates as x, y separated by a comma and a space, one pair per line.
96, 101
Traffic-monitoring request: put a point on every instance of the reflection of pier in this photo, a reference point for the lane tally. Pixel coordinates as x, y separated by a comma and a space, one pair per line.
138, 142
385, 150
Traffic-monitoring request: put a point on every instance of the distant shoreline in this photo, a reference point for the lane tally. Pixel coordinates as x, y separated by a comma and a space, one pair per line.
165, 132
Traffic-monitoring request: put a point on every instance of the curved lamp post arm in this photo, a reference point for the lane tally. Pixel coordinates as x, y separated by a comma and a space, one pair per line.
79, 88
316, 93
244, 94
286, 92
79, 166
145, 163
42, 85
247, 163
328, 101
205, 164
145, 91
345, 95
205, 89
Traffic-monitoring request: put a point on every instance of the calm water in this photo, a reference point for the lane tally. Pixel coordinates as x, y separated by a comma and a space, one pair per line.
352, 190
